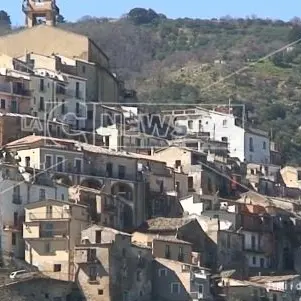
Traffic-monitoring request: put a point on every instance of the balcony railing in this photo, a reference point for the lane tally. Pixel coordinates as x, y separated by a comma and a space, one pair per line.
21, 91
11, 227
53, 234
48, 216
5, 87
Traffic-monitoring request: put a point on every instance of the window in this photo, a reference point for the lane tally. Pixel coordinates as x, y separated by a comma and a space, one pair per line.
2, 103
15, 218
264, 145
123, 252
27, 161
98, 236
200, 126
59, 164
181, 254
16, 195
109, 169
224, 123
47, 247
48, 230
274, 297
13, 107
161, 186
201, 289
175, 288
91, 255
13, 239
42, 86
100, 292
63, 107
262, 262
190, 183
178, 187
84, 71
77, 90
167, 251
42, 194
190, 124
254, 260
49, 211
138, 142
253, 242
92, 273
77, 108
78, 165
57, 268
121, 171
48, 162
251, 146
42, 104
178, 163
162, 272
90, 115
209, 185
138, 276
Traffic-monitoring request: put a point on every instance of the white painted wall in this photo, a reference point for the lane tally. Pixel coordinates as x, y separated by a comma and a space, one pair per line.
29, 193
260, 154
220, 126
190, 207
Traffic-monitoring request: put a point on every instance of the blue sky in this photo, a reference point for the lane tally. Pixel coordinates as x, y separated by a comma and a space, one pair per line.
73, 10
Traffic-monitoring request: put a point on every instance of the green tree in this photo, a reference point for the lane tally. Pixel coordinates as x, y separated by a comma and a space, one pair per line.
295, 33
142, 16
4, 19
60, 19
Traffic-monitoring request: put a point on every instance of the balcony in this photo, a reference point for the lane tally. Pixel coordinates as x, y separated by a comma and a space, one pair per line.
5, 87
21, 91
47, 234
11, 227
60, 215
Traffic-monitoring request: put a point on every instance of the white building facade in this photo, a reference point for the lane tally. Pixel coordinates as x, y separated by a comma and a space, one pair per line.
17, 189
247, 144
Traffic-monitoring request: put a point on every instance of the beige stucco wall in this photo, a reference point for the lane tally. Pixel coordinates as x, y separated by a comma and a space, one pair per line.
290, 177
171, 154
37, 39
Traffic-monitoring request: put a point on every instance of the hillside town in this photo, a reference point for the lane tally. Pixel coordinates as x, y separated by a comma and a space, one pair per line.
105, 199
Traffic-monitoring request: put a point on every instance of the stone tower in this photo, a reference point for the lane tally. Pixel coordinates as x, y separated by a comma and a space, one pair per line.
40, 12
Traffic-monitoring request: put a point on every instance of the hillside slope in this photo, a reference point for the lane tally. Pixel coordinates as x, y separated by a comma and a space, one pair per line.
204, 61
196, 61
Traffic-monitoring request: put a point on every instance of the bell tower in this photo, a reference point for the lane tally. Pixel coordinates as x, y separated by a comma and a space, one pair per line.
40, 12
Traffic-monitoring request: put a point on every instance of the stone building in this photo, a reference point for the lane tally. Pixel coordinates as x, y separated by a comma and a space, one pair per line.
110, 268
